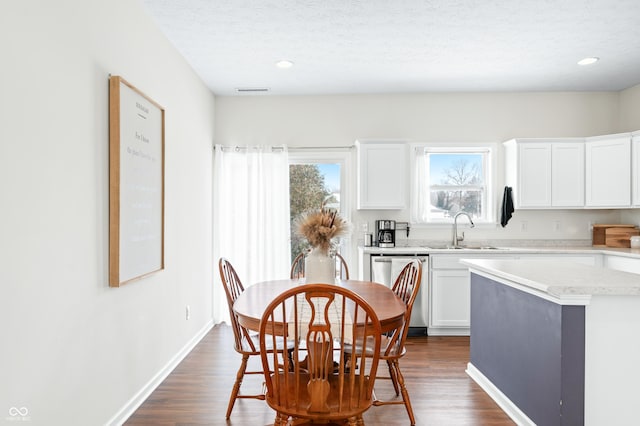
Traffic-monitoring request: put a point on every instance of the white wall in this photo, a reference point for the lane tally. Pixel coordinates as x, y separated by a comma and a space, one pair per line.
74, 351
340, 120
630, 110
629, 122
484, 117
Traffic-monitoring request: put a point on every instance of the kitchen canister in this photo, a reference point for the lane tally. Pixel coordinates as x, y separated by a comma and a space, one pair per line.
635, 241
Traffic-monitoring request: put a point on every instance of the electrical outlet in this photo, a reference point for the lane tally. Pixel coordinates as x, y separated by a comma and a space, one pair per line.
523, 226
188, 312
556, 225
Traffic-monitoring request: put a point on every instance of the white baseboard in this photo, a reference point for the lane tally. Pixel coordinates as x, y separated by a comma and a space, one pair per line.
501, 399
448, 331
132, 405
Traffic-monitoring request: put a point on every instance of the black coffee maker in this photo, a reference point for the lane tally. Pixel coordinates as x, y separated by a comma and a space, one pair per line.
386, 233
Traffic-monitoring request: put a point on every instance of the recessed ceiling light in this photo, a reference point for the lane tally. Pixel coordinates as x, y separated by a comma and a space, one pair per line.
284, 64
588, 61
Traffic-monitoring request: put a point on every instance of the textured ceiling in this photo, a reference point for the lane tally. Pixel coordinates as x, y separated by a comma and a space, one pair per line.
402, 46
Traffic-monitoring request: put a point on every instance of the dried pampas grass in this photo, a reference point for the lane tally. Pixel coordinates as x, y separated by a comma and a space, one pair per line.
320, 227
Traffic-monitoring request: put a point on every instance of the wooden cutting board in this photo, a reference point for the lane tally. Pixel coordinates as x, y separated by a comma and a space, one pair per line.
620, 237
599, 229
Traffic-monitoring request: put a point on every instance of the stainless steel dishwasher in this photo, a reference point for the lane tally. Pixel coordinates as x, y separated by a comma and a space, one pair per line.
385, 269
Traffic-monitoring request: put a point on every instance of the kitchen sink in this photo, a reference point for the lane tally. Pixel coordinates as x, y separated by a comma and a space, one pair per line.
461, 247
477, 247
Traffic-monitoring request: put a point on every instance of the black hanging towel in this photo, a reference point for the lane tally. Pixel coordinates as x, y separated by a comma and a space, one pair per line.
507, 206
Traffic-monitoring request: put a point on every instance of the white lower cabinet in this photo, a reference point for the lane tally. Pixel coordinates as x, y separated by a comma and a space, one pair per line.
583, 259
622, 263
450, 294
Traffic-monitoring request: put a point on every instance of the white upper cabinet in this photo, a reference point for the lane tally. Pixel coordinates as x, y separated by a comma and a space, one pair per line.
608, 171
521, 160
545, 173
382, 175
567, 174
635, 169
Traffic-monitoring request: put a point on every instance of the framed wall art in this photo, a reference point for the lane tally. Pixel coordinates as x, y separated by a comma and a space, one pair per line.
136, 183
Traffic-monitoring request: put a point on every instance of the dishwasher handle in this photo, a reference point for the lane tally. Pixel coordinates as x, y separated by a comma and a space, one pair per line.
387, 259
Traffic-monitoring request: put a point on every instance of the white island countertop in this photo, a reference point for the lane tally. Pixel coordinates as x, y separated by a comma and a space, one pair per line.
558, 279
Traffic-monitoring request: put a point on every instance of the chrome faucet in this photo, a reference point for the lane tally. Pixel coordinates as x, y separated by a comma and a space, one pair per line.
454, 235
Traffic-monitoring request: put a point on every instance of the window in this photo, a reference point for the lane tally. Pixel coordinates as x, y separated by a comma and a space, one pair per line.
315, 178
451, 179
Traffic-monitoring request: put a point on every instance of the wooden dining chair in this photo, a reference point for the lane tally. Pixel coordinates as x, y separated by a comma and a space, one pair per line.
246, 344
297, 266
317, 385
342, 270
393, 348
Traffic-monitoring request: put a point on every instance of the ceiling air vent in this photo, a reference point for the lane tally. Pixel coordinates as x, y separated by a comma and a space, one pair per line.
252, 89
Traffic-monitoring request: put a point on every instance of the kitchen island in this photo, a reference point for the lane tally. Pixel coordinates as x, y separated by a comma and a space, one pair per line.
556, 343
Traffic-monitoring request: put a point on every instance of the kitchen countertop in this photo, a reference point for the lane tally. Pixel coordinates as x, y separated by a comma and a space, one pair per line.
559, 279
426, 249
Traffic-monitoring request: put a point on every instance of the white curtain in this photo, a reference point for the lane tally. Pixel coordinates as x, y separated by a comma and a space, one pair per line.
420, 192
251, 216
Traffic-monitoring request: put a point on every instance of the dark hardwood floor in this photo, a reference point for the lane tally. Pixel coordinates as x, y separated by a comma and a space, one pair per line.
197, 391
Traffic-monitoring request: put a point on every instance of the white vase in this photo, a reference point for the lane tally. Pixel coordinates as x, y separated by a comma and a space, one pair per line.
319, 267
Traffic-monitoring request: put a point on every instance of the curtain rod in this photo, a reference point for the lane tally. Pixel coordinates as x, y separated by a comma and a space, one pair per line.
244, 148
281, 148
301, 148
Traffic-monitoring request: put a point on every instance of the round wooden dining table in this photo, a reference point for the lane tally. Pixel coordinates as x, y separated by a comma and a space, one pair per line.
251, 304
